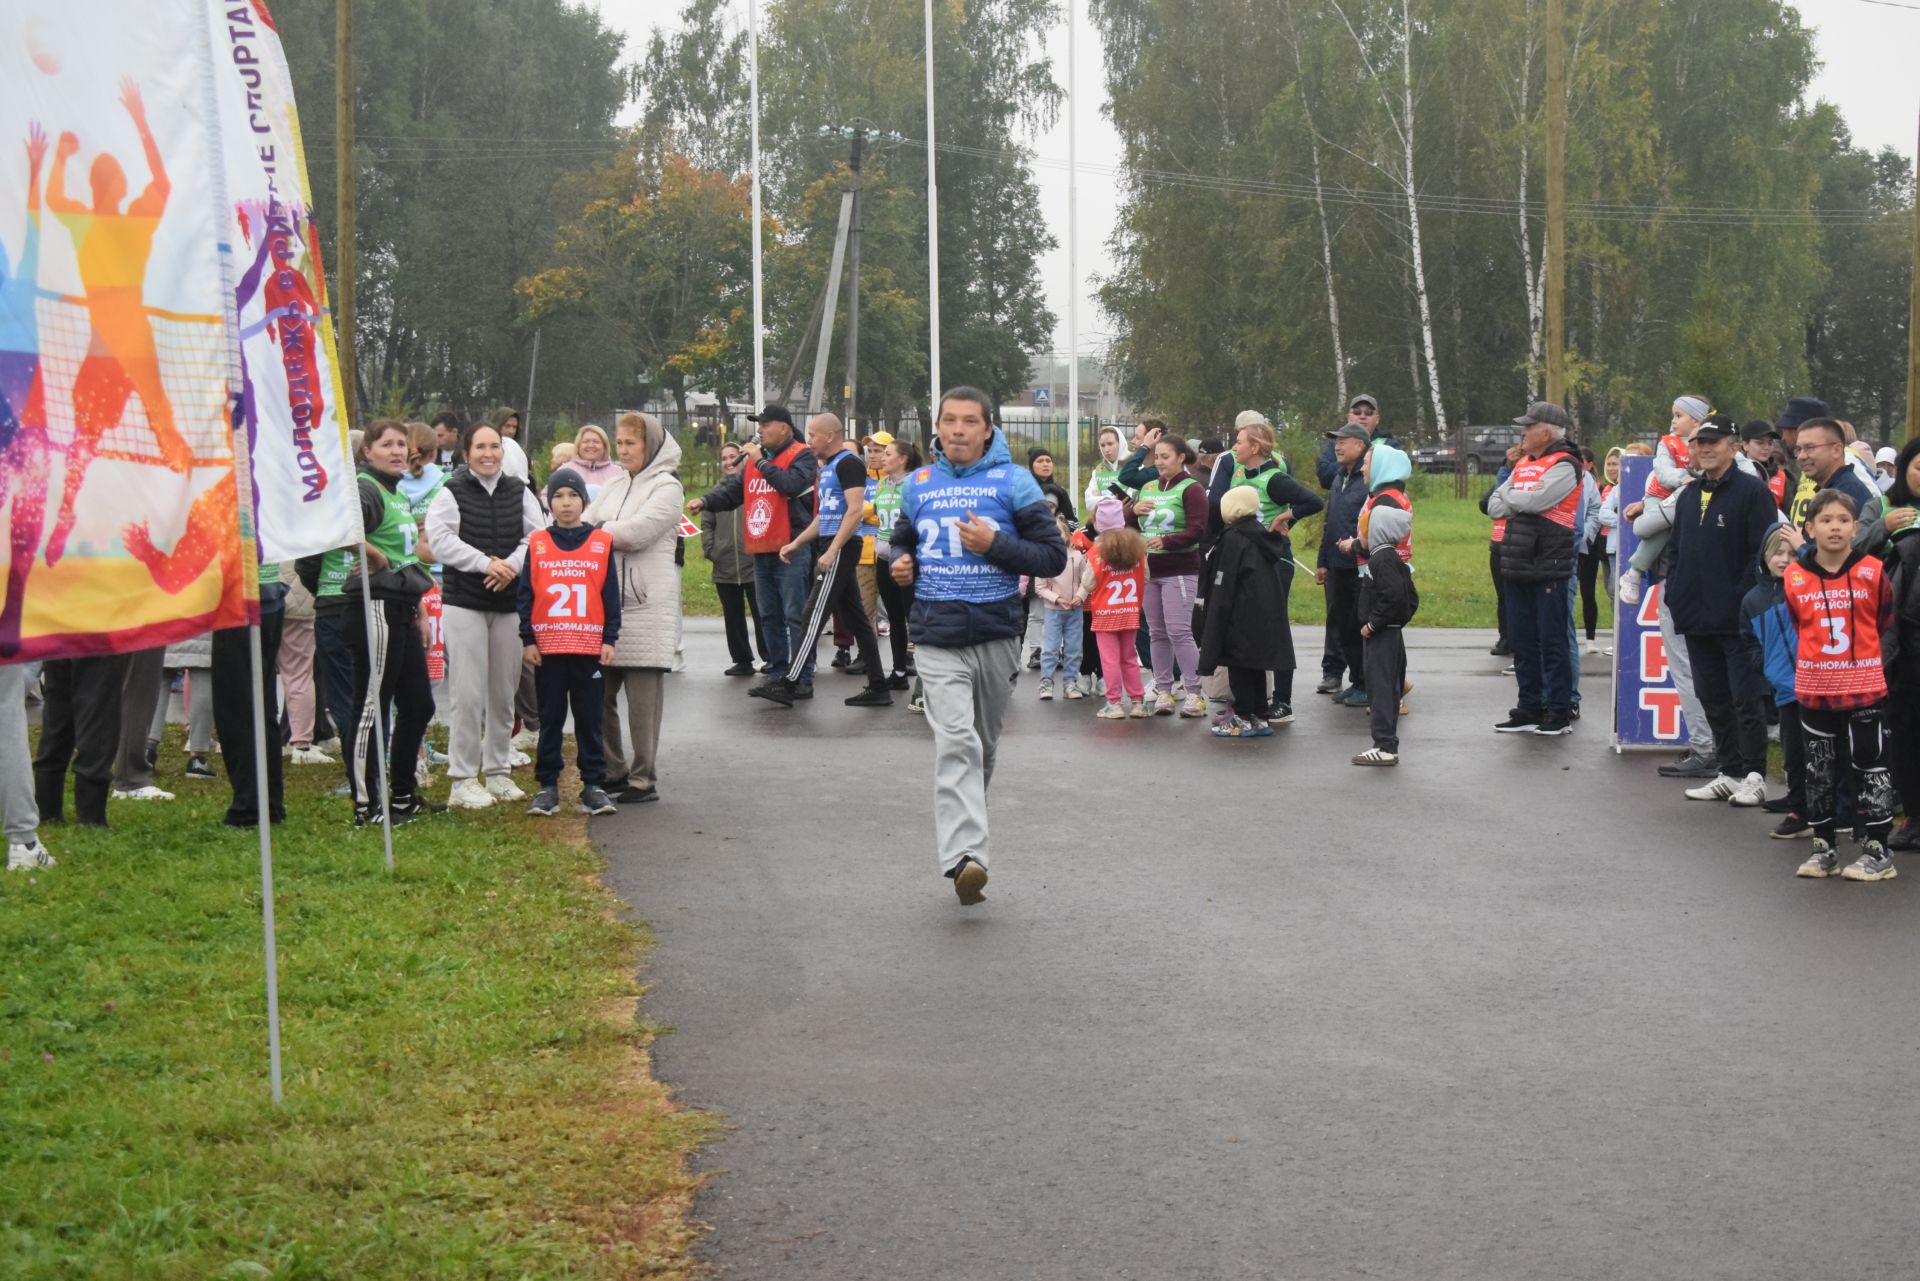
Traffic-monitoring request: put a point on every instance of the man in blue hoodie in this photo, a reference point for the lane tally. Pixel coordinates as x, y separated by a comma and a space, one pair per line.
970, 525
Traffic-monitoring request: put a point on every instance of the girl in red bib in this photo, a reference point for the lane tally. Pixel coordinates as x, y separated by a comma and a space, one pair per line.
1841, 609
1119, 561
569, 620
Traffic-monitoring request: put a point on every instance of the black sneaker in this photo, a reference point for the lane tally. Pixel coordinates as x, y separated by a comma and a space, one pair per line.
1574, 712
871, 697
741, 669
1692, 765
1519, 722
774, 692
970, 882
1791, 828
855, 668
546, 803
1554, 724
841, 658
639, 795
594, 800
1501, 650
1907, 837
408, 808
1782, 804
1328, 685
197, 767
1280, 713
899, 680
803, 690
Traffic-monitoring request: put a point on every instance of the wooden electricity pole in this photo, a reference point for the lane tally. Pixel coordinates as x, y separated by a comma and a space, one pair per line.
344, 266
1556, 248
1913, 315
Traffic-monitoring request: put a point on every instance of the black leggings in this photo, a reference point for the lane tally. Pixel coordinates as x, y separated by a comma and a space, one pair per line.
1853, 744
898, 602
1589, 602
391, 666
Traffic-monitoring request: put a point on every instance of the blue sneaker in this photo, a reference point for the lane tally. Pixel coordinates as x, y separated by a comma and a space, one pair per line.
1353, 696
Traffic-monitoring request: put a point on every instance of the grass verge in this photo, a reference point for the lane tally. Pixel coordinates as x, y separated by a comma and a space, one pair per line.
467, 1093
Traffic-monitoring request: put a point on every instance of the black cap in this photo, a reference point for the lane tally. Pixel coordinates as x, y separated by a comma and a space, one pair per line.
1544, 411
1717, 427
1799, 410
1353, 431
1759, 429
1209, 447
773, 414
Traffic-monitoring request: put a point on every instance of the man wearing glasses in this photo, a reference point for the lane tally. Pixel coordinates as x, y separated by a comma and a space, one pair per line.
1821, 452
1363, 411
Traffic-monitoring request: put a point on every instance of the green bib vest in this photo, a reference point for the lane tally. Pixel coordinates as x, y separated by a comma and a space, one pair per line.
1166, 510
1269, 510
397, 532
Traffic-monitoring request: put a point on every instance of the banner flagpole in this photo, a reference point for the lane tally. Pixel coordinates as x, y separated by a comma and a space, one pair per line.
240, 418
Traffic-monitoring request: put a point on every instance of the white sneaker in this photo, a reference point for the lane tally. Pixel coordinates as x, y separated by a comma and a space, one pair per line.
468, 794
1593, 647
501, 788
28, 858
517, 759
1752, 791
1163, 704
147, 793
1046, 689
1720, 789
1073, 690
1193, 706
311, 756
525, 741
1631, 583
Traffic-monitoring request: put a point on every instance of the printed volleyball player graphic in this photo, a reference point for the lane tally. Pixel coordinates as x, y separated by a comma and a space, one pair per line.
115, 349
23, 404
112, 247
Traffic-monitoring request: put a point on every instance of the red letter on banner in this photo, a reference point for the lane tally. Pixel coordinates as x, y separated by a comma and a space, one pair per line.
1653, 656
1650, 605
1665, 706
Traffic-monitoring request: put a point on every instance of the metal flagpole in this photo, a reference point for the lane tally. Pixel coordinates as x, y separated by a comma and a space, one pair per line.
1073, 271
262, 799
933, 242
753, 109
375, 661
526, 415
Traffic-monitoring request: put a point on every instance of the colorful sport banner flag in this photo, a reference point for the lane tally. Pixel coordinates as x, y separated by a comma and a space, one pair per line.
303, 489
117, 479
433, 609
1646, 706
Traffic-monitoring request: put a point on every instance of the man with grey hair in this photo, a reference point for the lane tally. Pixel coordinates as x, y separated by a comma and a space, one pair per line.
1363, 411
1540, 505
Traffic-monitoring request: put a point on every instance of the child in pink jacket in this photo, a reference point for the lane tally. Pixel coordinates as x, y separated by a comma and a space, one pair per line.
1064, 598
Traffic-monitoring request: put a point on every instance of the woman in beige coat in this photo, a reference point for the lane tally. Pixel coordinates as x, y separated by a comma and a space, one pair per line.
641, 509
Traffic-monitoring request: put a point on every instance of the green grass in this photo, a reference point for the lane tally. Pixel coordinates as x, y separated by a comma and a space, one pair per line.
1449, 559
466, 1083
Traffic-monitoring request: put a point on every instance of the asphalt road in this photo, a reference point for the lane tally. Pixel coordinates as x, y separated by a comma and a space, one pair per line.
1238, 1009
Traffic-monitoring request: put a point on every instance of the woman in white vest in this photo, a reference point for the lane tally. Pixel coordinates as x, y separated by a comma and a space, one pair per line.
477, 525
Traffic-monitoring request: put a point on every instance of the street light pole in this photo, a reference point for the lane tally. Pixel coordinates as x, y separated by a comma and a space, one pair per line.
853, 282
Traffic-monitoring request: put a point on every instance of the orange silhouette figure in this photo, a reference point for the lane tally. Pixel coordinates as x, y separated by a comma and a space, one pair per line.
213, 529
112, 248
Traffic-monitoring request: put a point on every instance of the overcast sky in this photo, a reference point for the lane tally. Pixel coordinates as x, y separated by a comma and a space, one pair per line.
1867, 49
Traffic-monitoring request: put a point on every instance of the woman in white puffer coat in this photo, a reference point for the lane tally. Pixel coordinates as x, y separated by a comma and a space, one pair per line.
642, 510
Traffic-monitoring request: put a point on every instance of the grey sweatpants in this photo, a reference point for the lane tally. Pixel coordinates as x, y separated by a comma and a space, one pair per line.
966, 691
143, 701
636, 756
18, 812
484, 660
1699, 733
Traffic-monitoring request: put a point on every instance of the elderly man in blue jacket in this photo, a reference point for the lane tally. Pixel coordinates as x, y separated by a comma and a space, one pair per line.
970, 525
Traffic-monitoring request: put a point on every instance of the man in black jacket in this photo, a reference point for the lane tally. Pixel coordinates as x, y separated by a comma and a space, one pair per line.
1720, 522
1338, 572
1540, 503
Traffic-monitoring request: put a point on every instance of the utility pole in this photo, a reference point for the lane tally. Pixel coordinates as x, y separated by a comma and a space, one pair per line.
1913, 315
344, 265
1556, 247
853, 282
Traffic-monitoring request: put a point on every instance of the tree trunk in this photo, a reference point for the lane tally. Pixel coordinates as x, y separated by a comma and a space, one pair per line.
1413, 217
1326, 234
